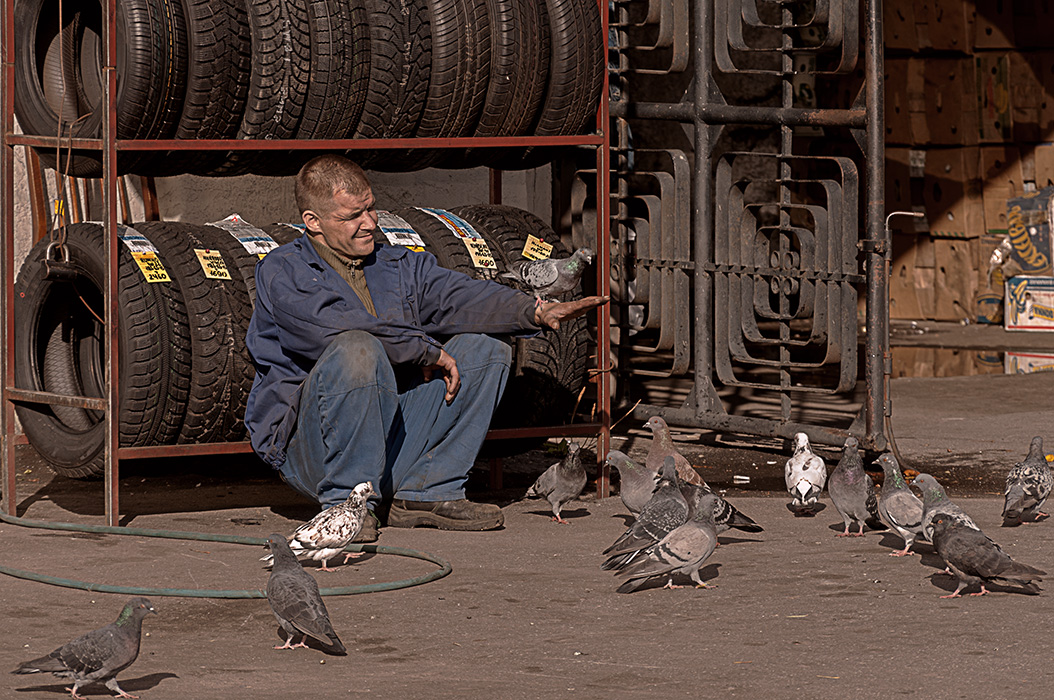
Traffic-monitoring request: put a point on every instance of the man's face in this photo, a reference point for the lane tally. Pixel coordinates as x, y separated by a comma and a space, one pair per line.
347, 225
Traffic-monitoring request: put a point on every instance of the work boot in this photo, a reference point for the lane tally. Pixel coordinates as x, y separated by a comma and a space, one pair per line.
368, 532
461, 514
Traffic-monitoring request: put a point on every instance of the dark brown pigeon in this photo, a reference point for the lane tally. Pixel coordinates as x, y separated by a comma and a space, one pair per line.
296, 602
99, 655
662, 447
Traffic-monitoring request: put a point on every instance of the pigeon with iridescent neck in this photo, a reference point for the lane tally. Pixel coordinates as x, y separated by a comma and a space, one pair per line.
899, 507
1027, 487
853, 492
548, 278
662, 447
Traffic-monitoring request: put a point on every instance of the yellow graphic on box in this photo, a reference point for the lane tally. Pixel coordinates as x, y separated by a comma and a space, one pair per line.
212, 264
151, 267
536, 249
1032, 256
480, 252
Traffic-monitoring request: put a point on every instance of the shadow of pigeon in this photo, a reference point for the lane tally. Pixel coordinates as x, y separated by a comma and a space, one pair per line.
707, 574
806, 511
736, 540
146, 682
565, 514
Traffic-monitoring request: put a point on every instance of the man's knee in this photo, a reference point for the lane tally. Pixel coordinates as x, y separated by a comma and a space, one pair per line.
479, 350
357, 353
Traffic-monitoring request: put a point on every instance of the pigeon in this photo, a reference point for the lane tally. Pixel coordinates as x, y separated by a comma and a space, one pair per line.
1027, 486
99, 655
550, 278
662, 447
726, 515
562, 482
682, 551
974, 558
805, 475
899, 507
296, 602
328, 533
936, 502
852, 491
637, 483
666, 510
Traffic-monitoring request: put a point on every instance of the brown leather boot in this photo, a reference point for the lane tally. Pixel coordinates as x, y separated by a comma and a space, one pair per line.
461, 514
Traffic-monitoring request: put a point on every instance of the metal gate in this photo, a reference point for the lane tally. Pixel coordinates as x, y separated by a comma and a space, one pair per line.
748, 215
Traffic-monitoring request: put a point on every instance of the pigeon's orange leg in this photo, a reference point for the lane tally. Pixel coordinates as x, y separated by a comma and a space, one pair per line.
558, 519
287, 645
352, 555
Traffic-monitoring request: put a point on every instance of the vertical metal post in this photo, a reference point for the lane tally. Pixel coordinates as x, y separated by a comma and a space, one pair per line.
109, 158
495, 186
877, 263
603, 268
7, 231
702, 211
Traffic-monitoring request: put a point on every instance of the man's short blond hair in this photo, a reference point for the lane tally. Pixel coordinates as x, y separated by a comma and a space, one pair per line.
324, 176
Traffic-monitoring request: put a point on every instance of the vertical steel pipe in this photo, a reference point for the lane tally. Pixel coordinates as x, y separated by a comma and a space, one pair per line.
703, 212
603, 268
7, 265
109, 158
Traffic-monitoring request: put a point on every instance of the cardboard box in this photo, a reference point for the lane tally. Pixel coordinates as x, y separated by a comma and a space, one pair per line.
1026, 95
994, 24
1001, 180
898, 21
904, 281
905, 179
905, 117
1043, 156
1032, 22
955, 280
1027, 362
1028, 224
990, 283
952, 193
1045, 62
995, 124
1029, 304
948, 101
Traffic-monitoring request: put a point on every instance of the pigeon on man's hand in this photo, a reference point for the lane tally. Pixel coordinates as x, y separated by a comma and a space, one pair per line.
683, 551
899, 507
853, 492
562, 482
548, 278
1027, 486
935, 502
662, 447
805, 475
328, 533
99, 655
637, 483
974, 558
296, 601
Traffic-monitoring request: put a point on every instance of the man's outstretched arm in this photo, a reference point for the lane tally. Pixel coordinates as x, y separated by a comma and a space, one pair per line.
551, 314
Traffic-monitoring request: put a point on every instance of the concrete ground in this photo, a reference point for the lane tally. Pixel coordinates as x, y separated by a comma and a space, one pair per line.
527, 612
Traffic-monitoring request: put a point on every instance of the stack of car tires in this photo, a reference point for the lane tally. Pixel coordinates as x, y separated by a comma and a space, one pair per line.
321, 69
185, 296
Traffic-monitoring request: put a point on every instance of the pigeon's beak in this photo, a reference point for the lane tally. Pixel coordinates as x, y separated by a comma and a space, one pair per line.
151, 609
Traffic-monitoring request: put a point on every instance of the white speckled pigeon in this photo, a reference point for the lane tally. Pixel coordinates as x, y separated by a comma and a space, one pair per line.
805, 475
636, 484
562, 482
899, 507
328, 533
1027, 486
662, 447
683, 551
549, 278
974, 558
296, 602
936, 502
853, 492
99, 655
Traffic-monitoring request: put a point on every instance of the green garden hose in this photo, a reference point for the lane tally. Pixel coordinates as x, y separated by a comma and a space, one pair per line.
443, 570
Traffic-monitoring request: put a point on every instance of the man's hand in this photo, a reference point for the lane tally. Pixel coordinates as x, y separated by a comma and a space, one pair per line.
448, 367
552, 313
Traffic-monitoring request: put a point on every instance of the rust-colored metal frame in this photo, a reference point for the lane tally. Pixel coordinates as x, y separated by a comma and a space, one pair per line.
110, 145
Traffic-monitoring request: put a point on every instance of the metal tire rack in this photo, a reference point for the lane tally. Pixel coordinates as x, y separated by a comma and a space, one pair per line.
109, 145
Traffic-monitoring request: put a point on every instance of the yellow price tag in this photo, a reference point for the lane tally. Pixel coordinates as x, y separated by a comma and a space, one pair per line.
536, 248
416, 248
151, 267
480, 253
212, 264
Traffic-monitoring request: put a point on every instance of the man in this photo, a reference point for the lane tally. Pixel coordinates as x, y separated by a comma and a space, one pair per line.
373, 363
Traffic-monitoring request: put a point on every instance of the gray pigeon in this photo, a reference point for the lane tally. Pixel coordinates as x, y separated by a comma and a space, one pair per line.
328, 533
549, 278
666, 510
853, 492
899, 507
662, 447
562, 482
636, 482
974, 558
296, 602
1027, 486
99, 655
726, 515
805, 475
683, 551
935, 502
